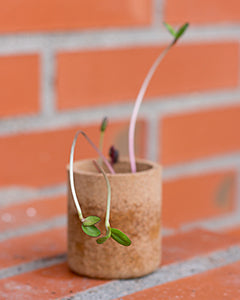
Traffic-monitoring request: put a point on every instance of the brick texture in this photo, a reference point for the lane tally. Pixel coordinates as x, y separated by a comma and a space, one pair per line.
92, 78
200, 135
185, 245
55, 15
20, 80
31, 212
222, 284
202, 11
47, 283
26, 248
41, 157
193, 198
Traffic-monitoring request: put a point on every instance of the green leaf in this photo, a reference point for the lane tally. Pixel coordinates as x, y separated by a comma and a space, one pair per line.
181, 31
103, 239
120, 237
91, 220
91, 230
170, 29
104, 124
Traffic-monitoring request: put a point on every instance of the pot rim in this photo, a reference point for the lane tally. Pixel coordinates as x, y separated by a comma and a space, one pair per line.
153, 166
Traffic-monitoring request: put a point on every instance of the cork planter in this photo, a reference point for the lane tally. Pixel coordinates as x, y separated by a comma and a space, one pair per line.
135, 209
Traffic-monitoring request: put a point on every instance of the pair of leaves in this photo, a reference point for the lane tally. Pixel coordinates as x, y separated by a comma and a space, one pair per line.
88, 226
117, 235
176, 34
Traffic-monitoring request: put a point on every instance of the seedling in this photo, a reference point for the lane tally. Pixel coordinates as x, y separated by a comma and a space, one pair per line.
88, 223
114, 233
176, 35
102, 132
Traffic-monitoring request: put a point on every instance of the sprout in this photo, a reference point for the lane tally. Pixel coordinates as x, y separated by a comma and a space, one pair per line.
143, 89
114, 233
88, 224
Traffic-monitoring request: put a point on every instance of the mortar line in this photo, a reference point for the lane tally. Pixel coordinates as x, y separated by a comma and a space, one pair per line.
33, 266
152, 138
48, 105
230, 161
52, 223
157, 13
18, 194
166, 105
111, 38
119, 288
215, 224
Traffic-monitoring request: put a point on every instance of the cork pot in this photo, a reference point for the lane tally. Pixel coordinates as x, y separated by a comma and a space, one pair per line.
135, 210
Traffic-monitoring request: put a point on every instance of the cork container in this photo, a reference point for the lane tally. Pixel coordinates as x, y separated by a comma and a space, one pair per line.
135, 210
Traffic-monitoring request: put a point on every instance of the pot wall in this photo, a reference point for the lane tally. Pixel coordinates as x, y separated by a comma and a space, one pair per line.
135, 210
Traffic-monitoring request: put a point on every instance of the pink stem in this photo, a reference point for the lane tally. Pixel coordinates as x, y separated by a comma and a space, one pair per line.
98, 151
137, 105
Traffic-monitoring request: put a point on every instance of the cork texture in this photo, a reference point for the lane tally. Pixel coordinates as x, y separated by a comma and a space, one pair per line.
135, 210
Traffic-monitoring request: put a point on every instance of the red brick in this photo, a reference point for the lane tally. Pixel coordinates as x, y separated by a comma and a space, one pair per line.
19, 77
190, 136
72, 14
202, 11
221, 284
48, 283
90, 78
41, 157
182, 246
42, 209
193, 198
31, 247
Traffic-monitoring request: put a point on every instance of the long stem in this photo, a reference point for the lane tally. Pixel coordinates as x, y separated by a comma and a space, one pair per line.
71, 169
138, 102
107, 222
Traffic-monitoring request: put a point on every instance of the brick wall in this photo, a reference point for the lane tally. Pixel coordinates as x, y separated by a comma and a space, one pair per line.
83, 60
66, 64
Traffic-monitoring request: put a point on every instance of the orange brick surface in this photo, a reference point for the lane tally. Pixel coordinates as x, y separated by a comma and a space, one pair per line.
54, 15
221, 284
91, 78
47, 283
31, 247
202, 11
193, 198
31, 212
41, 157
185, 245
189, 136
19, 88
58, 281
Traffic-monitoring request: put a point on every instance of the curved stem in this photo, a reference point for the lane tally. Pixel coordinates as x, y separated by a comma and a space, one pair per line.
72, 180
71, 169
138, 102
100, 169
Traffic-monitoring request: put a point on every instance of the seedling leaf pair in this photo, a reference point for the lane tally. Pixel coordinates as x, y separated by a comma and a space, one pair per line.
88, 226
176, 34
